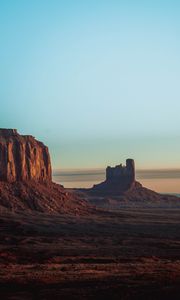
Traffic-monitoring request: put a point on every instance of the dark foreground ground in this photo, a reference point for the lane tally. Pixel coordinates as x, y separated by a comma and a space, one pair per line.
127, 254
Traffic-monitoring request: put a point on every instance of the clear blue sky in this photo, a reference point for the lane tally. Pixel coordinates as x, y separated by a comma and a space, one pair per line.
96, 80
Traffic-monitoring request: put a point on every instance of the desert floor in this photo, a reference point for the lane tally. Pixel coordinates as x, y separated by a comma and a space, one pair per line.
126, 254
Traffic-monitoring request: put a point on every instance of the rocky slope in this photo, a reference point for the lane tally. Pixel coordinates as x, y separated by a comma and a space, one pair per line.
138, 196
32, 196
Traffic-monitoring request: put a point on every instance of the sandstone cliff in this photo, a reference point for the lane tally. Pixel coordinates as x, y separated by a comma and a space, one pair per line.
23, 158
26, 178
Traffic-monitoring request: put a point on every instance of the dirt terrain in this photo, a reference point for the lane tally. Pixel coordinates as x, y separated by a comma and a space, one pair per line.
125, 254
30, 196
138, 196
117, 240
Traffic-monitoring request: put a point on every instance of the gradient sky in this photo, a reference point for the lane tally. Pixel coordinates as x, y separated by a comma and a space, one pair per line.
98, 81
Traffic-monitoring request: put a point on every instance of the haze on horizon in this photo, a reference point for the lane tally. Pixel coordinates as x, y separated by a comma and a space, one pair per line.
97, 81
160, 180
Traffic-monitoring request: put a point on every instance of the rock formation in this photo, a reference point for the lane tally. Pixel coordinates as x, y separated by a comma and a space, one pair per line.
120, 189
118, 179
26, 178
23, 158
122, 175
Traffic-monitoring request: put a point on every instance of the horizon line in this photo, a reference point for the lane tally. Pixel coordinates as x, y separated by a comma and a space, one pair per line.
101, 169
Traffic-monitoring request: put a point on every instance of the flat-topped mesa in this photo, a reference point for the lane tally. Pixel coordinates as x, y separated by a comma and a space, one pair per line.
23, 158
118, 179
8, 132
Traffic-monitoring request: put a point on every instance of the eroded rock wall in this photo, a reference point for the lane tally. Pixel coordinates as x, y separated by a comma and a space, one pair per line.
23, 158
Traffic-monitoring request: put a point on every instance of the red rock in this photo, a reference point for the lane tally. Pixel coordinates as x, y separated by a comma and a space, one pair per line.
46, 197
26, 178
23, 158
118, 180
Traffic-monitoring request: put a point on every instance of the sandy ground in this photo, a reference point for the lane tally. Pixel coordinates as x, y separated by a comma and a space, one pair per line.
127, 254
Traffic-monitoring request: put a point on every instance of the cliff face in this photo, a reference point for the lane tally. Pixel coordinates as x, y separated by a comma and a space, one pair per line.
23, 158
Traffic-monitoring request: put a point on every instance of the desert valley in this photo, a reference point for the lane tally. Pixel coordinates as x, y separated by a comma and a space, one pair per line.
89, 150
116, 240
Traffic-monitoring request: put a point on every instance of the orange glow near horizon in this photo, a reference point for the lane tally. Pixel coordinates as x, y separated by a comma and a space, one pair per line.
162, 181
163, 185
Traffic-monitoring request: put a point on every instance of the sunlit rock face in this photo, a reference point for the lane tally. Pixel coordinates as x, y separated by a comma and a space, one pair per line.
118, 179
23, 158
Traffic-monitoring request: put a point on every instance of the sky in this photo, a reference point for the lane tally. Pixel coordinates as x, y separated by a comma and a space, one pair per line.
97, 81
